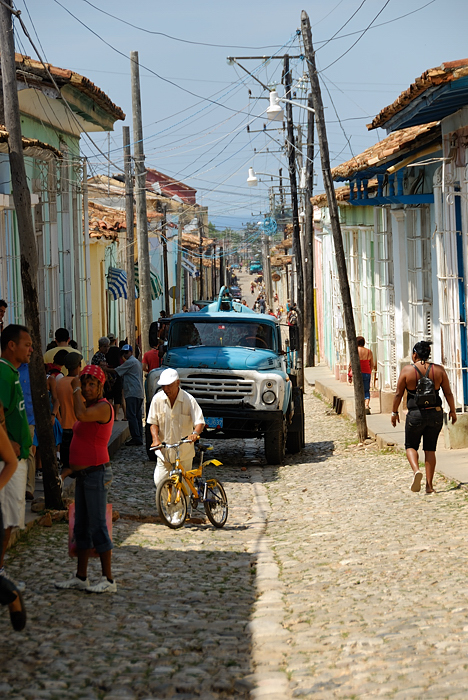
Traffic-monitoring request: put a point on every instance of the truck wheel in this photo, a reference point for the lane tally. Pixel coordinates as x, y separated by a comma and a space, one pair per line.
295, 440
148, 440
275, 444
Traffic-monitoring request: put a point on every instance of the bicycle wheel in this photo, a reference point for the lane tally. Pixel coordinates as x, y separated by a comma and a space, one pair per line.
171, 503
215, 503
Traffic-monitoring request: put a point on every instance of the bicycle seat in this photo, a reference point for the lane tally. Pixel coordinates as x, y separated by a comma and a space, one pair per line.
205, 447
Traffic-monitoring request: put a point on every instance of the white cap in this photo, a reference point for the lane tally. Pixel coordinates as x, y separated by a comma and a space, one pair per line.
168, 376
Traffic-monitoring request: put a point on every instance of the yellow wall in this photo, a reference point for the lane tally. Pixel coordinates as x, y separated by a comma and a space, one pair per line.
97, 251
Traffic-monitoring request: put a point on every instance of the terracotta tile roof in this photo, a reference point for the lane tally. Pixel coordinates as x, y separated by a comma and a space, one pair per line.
64, 76
342, 195
105, 221
29, 145
394, 145
433, 77
321, 200
287, 243
169, 186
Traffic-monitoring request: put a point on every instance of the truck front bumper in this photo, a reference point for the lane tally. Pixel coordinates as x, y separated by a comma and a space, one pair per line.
241, 422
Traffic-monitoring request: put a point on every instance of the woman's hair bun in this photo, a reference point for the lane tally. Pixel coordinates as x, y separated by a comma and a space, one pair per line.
423, 349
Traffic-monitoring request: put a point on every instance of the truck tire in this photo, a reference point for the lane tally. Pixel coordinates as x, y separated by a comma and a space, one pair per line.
295, 440
148, 440
275, 443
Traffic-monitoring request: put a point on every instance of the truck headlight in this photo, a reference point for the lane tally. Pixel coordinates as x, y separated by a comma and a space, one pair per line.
269, 397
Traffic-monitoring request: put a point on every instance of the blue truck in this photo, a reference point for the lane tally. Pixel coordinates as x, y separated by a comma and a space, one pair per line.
232, 361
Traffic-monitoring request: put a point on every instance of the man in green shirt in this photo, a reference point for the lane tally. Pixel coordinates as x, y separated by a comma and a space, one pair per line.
16, 345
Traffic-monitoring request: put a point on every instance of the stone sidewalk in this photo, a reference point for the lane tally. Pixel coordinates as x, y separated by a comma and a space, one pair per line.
451, 463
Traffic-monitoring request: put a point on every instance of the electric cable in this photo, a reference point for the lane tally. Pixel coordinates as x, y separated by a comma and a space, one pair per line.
342, 27
175, 38
357, 40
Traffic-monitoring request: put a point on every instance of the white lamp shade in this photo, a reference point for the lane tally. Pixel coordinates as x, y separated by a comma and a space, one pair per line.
275, 111
302, 216
252, 180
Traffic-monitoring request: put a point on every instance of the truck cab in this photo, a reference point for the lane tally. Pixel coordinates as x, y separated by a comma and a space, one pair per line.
231, 361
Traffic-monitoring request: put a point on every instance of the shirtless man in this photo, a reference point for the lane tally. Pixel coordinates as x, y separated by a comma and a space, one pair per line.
422, 422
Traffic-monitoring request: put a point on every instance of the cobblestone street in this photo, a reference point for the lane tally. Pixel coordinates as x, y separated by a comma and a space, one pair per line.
330, 579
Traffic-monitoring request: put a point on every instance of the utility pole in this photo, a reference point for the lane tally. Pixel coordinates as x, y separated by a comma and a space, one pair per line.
309, 311
214, 270
179, 263
29, 260
164, 250
129, 244
146, 315
296, 229
336, 229
221, 267
200, 253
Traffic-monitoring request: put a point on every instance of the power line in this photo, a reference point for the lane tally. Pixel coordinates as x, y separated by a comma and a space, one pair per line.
175, 38
359, 38
344, 25
381, 24
121, 53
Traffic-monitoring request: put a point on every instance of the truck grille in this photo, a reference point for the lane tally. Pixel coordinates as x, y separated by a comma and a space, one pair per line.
224, 390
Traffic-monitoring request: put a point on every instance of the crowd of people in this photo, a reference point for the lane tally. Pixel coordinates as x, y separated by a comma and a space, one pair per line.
83, 402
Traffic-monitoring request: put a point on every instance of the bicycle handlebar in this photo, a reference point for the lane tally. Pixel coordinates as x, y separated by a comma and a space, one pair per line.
167, 445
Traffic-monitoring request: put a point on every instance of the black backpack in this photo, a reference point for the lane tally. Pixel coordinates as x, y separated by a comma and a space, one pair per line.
425, 394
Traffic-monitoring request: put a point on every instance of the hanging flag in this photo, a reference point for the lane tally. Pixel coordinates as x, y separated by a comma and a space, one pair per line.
156, 286
117, 282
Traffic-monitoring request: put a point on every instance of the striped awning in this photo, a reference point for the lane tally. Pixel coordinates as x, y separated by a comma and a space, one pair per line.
117, 282
156, 286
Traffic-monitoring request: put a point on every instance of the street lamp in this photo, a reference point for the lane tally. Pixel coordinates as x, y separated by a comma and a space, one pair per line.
253, 180
275, 112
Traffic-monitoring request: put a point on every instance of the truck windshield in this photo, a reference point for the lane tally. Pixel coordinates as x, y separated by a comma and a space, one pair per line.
222, 333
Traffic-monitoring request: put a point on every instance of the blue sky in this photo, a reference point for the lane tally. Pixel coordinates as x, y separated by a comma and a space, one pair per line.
206, 145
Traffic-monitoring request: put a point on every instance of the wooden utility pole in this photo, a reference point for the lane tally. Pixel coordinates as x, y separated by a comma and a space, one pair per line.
144, 278
200, 253
336, 229
295, 216
129, 242
309, 311
165, 268
29, 261
178, 284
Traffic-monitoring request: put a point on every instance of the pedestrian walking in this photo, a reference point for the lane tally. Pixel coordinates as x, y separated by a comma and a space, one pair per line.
9, 592
114, 386
16, 345
173, 415
367, 363
422, 382
131, 372
89, 465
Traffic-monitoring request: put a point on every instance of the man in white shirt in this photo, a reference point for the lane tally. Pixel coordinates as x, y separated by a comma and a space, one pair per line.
173, 415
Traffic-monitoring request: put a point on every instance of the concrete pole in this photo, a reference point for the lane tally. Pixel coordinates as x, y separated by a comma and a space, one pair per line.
129, 239
146, 315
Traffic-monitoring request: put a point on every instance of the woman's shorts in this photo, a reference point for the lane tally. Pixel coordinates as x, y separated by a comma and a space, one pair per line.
90, 509
425, 424
12, 497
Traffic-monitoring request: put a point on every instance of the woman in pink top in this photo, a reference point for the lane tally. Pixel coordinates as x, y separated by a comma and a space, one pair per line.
89, 465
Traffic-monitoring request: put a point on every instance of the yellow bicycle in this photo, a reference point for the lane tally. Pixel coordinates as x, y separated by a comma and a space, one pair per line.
174, 492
